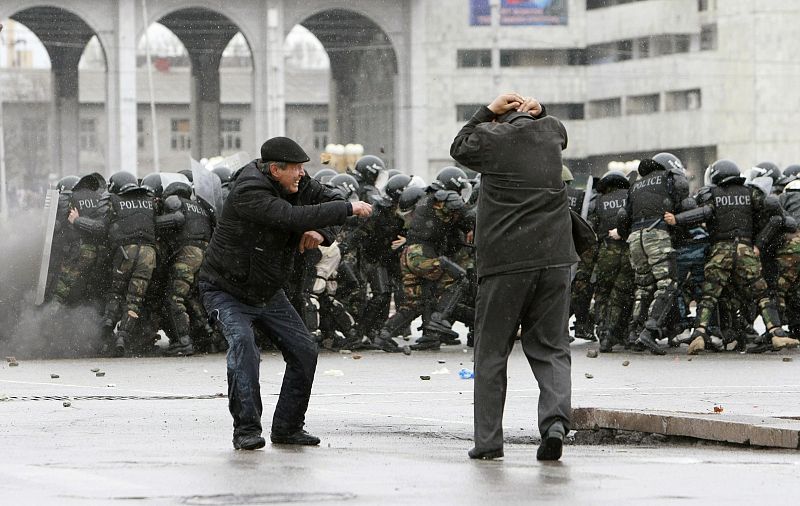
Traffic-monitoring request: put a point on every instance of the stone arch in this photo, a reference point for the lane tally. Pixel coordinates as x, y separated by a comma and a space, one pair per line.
364, 71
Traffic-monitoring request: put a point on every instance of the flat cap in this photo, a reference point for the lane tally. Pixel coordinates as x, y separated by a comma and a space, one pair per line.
283, 149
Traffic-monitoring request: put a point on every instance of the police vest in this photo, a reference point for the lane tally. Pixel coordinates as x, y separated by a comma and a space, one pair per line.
650, 197
575, 198
607, 206
133, 220
790, 202
197, 227
87, 202
733, 213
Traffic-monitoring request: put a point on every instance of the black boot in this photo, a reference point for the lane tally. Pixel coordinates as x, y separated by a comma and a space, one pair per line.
647, 340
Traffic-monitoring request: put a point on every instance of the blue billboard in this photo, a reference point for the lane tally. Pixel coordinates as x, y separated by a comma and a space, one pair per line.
520, 12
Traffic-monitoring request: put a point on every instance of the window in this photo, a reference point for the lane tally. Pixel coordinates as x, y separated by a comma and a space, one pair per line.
88, 134
465, 111
642, 104
606, 108
708, 37
230, 134
610, 52
140, 133
685, 100
320, 133
468, 58
536, 57
181, 138
565, 111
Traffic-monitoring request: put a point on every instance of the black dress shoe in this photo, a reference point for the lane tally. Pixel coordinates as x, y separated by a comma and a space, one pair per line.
485, 454
552, 443
248, 442
300, 437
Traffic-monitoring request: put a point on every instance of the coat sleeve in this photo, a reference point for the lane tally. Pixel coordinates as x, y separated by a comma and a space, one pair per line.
257, 204
466, 148
322, 193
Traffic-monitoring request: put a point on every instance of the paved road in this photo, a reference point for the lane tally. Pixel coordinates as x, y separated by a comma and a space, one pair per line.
151, 431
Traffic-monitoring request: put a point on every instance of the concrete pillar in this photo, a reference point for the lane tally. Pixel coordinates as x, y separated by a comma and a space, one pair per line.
121, 91
65, 115
275, 86
412, 146
205, 104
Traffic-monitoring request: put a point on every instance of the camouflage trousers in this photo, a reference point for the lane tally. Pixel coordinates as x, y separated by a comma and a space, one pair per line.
582, 287
789, 280
184, 264
72, 269
735, 265
613, 288
132, 269
654, 264
419, 268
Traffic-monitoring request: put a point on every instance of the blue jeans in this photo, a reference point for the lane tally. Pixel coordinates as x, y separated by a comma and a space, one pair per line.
289, 334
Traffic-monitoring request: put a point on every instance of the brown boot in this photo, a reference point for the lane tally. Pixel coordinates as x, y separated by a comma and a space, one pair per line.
781, 340
698, 343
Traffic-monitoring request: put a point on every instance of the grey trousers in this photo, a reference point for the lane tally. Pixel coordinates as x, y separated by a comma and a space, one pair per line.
539, 301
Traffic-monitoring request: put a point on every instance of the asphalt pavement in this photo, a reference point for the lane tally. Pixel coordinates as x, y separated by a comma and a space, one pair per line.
157, 431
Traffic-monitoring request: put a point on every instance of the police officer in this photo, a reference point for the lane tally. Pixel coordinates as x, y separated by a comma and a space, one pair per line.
729, 208
613, 287
582, 287
661, 188
788, 257
371, 174
273, 211
83, 247
186, 248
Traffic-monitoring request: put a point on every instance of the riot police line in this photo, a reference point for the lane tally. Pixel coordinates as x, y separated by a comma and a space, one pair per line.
134, 248
732, 250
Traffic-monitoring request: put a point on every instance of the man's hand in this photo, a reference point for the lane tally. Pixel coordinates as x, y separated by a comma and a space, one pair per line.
73, 215
508, 101
399, 242
470, 237
310, 240
669, 219
614, 234
756, 251
361, 209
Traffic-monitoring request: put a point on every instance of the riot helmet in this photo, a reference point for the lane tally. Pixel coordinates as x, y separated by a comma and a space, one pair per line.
409, 198
346, 185
370, 169
452, 178
188, 174
152, 183
122, 182
613, 180
767, 169
395, 186
392, 173
176, 184
669, 161
566, 175
67, 183
223, 173
792, 186
791, 171
93, 182
324, 175
725, 172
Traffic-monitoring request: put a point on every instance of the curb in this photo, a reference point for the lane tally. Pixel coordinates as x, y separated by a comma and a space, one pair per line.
770, 432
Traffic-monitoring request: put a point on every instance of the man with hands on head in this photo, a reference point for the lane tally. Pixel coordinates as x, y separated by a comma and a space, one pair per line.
524, 250
272, 211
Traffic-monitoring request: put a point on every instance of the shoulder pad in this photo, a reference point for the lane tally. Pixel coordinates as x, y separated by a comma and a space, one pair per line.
772, 204
680, 184
172, 203
704, 195
688, 203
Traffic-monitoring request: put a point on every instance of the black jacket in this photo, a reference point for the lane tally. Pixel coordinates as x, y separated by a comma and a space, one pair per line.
523, 217
253, 247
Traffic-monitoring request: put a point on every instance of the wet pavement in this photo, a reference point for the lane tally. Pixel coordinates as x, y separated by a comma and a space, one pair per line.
155, 431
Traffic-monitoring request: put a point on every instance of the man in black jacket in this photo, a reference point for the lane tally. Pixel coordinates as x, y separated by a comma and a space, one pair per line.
273, 210
524, 250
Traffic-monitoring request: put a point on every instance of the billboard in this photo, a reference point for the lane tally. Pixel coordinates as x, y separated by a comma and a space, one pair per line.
520, 12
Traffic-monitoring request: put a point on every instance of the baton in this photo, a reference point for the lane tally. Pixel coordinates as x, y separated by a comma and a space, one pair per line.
654, 225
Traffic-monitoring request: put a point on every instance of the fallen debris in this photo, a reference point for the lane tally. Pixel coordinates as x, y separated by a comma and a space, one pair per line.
100, 374
425, 378
591, 353
626, 363
356, 357
333, 372
55, 376
67, 404
588, 376
95, 369
443, 370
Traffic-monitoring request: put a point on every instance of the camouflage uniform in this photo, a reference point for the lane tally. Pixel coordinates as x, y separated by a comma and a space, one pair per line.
789, 281
130, 277
184, 265
613, 291
654, 261
73, 268
582, 288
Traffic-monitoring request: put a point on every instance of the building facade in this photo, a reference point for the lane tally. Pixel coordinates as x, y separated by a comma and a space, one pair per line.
704, 79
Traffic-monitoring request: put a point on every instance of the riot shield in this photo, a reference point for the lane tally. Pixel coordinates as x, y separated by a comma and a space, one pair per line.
207, 186
50, 210
168, 178
588, 195
763, 183
233, 162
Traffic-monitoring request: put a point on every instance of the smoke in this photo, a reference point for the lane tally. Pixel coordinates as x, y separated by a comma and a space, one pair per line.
27, 330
